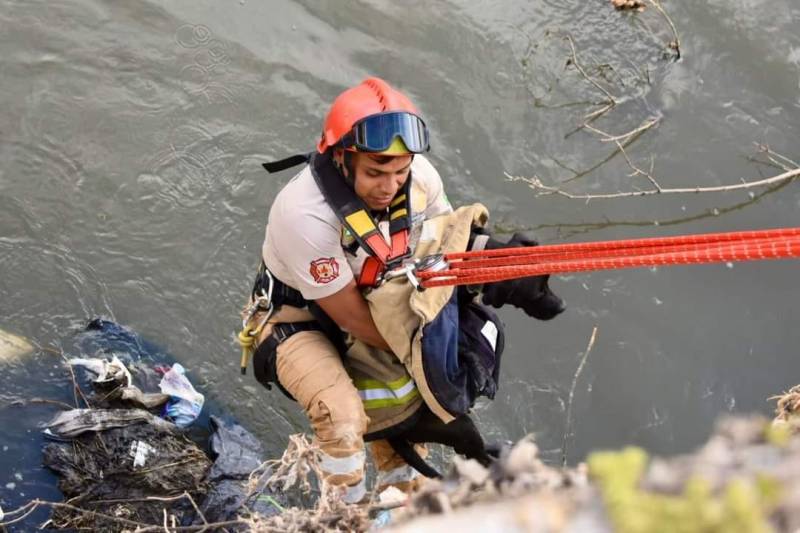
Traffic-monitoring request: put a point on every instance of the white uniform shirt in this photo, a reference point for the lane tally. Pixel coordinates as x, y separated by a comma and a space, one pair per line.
303, 245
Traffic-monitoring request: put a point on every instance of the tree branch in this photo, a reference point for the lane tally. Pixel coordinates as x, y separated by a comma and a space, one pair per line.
612, 101
568, 425
676, 43
544, 190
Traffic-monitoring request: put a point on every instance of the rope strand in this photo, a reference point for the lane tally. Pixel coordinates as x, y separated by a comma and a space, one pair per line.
488, 266
631, 243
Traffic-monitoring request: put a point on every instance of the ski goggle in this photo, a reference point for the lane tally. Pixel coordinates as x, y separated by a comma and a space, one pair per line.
377, 133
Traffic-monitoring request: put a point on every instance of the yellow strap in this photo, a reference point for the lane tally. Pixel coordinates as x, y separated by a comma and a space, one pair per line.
361, 222
399, 213
397, 201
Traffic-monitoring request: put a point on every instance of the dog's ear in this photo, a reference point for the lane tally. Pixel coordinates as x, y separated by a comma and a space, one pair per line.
548, 305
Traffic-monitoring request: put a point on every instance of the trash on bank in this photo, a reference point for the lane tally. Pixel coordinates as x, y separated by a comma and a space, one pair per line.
185, 403
70, 424
121, 466
238, 454
116, 469
113, 371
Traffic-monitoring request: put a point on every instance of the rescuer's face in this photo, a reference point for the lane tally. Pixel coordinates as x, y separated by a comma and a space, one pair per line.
379, 177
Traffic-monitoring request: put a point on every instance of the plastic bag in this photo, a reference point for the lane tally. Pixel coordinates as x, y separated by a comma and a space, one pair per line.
185, 403
107, 371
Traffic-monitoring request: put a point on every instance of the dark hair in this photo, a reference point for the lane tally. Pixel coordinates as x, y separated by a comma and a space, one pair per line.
383, 159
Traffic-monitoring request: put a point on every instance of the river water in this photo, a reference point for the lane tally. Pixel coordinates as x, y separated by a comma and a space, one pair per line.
131, 138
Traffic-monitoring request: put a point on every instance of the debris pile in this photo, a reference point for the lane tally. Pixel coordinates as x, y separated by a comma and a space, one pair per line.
117, 457
130, 460
625, 5
298, 468
121, 466
122, 471
745, 479
788, 405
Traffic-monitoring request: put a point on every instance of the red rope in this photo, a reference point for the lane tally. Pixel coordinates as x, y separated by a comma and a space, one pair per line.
486, 266
593, 254
631, 243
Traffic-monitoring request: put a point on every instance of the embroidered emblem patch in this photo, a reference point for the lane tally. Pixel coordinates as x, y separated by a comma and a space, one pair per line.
324, 269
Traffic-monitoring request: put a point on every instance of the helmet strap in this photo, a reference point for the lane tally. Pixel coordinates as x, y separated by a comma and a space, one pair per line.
350, 176
346, 163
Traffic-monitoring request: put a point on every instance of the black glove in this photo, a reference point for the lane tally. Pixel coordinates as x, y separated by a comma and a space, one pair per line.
531, 294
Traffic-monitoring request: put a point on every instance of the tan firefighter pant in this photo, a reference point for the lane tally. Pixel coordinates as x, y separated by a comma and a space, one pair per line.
311, 369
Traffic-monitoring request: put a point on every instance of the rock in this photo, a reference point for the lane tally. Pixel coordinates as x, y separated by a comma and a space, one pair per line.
13, 347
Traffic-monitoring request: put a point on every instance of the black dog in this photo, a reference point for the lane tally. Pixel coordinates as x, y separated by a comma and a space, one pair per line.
534, 297
531, 294
461, 434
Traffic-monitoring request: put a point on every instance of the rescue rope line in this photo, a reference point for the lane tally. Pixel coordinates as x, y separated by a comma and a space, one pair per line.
485, 266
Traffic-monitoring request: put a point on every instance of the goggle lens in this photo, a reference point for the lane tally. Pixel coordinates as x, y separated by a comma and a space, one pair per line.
376, 133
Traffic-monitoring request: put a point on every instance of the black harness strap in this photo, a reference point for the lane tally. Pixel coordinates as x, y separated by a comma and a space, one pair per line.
282, 294
265, 357
288, 162
353, 213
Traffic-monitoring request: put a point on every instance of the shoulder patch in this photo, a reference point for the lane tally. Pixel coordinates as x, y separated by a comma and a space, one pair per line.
324, 269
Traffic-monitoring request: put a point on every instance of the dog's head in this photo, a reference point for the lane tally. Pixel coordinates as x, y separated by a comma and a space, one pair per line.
547, 305
532, 294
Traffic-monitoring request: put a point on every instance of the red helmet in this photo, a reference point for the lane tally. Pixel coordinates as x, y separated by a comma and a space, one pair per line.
372, 97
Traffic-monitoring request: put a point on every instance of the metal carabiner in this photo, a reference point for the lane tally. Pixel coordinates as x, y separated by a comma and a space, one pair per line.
409, 269
432, 263
261, 302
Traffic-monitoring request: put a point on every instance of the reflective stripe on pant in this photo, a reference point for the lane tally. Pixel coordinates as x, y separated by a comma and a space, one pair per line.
310, 368
392, 470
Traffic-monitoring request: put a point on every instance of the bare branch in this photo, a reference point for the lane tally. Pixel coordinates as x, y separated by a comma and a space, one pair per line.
676, 43
616, 139
543, 190
646, 125
578, 175
20, 401
568, 230
594, 115
774, 157
568, 425
76, 389
23, 511
32, 505
612, 101
196, 508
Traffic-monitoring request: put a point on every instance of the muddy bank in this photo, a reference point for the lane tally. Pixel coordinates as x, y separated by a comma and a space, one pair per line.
121, 467
745, 478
